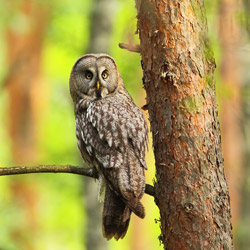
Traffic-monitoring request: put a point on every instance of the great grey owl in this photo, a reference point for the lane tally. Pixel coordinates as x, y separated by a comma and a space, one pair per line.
111, 135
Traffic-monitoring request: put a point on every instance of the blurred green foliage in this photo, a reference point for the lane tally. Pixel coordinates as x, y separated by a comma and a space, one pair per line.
60, 216
60, 212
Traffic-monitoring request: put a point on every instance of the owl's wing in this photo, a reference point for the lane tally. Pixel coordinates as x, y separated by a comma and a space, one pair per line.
115, 136
119, 125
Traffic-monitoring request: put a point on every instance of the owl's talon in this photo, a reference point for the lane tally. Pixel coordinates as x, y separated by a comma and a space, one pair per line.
93, 172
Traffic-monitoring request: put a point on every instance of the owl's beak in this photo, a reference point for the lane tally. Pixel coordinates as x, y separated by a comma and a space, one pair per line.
98, 89
98, 85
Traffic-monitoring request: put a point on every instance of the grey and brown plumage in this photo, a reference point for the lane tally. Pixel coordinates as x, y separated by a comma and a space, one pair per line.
111, 135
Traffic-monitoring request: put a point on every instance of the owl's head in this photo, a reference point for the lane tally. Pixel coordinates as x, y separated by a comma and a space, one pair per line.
94, 76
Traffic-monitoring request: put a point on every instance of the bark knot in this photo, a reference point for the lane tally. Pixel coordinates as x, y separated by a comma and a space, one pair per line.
188, 207
167, 73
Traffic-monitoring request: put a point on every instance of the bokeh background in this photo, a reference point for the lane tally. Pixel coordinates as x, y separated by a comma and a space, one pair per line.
40, 41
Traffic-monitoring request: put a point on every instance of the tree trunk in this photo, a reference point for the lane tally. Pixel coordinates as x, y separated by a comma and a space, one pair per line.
243, 232
23, 78
178, 65
232, 141
24, 47
101, 27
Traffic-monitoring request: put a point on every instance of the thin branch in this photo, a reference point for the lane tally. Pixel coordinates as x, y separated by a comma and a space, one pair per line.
16, 170
48, 169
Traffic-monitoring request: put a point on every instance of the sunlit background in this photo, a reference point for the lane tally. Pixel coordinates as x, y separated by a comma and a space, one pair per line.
39, 43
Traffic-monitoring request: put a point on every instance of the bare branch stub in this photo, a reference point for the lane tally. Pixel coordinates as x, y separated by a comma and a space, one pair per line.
130, 47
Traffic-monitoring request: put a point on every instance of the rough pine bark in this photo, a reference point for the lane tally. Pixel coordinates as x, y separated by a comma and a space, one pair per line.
178, 66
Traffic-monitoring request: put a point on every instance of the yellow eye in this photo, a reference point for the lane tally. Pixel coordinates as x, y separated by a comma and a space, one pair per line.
88, 75
105, 74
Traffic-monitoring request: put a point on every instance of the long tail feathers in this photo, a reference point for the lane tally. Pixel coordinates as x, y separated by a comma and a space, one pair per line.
116, 216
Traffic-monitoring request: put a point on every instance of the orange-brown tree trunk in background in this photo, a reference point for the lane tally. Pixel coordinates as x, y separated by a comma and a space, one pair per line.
231, 103
24, 59
24, 46
178, 66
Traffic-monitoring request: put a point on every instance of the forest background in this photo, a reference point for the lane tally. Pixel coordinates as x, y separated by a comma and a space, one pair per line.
39, 43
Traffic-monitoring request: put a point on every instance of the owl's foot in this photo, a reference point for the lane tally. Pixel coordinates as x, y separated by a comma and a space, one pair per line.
93, 172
